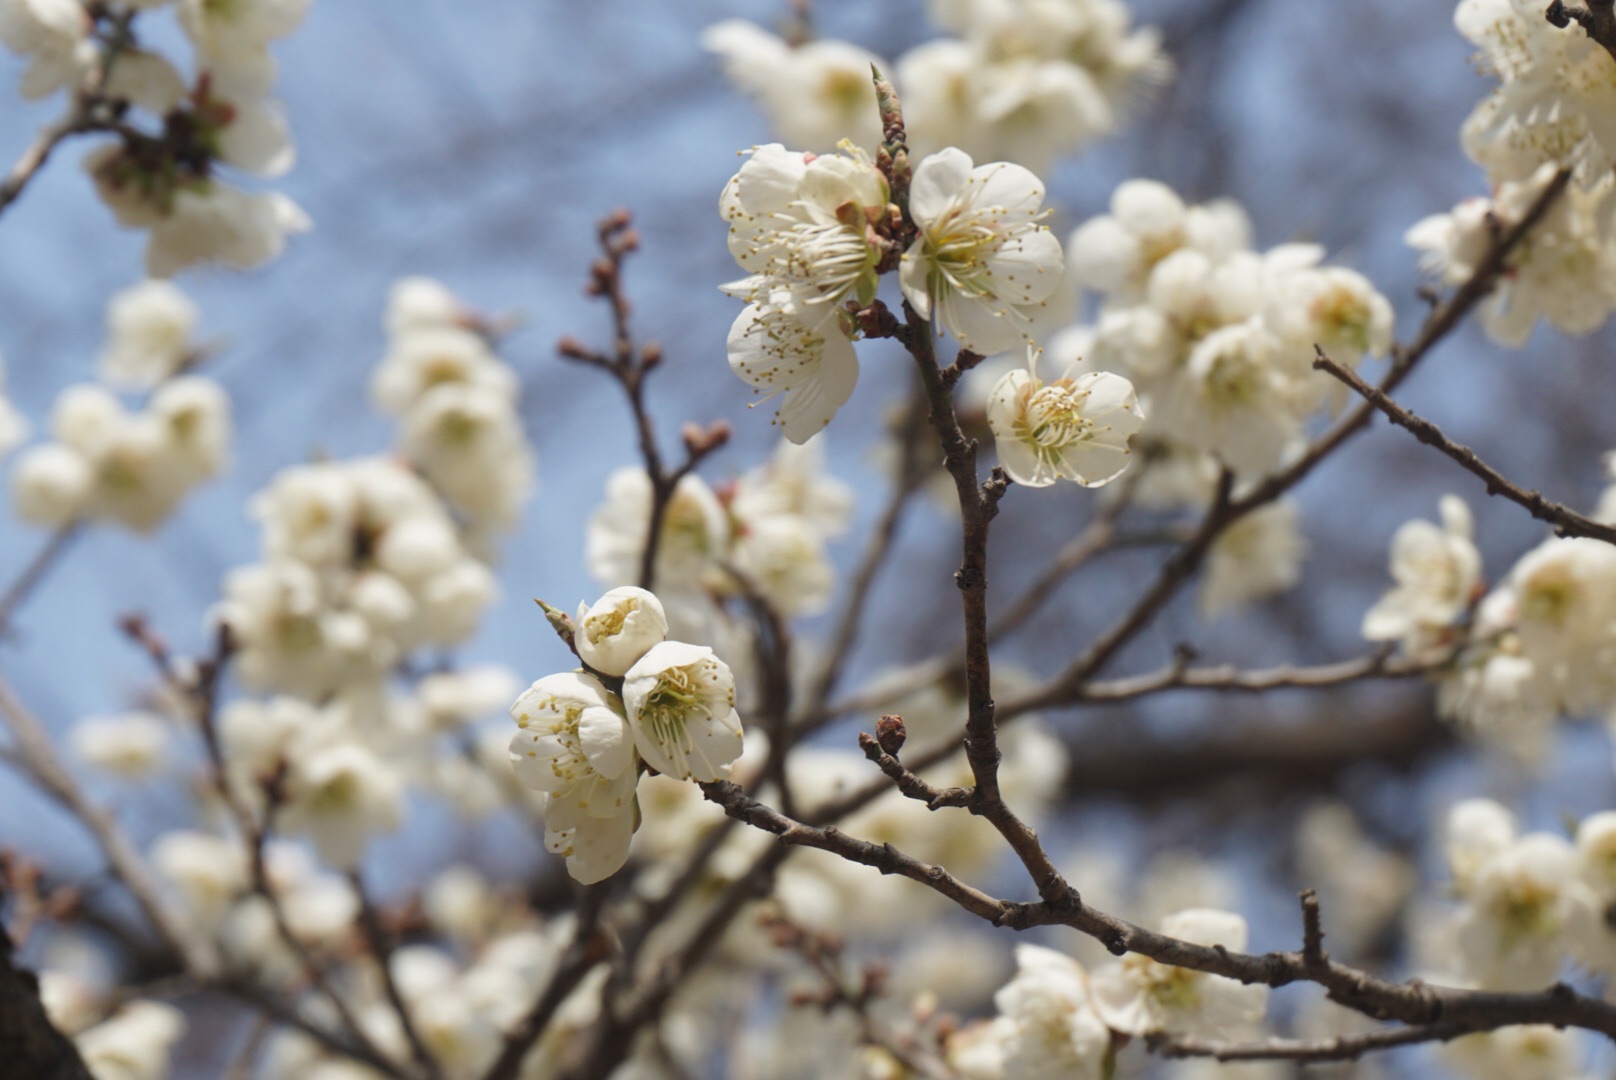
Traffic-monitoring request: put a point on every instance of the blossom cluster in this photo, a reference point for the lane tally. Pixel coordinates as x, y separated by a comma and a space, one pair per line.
1532, 648
1528, 903
815, 232
457, 405
1219, 340
1027, 81
1056, 1018
670, 705
765, 533
173, 133
462, 994
106, 462
365, 564
1550, 110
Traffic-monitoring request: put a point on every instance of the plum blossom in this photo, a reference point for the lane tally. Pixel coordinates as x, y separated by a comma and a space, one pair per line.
149, 335
1050, 1024
681, 708
1436, 569
619, 628
814, 371
1138, 995
815, 94
1073, 428
982, 262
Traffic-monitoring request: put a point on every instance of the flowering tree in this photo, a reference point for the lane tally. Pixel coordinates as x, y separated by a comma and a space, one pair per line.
737, 880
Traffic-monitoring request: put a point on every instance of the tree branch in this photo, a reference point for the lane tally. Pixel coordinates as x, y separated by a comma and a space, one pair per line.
1566, 522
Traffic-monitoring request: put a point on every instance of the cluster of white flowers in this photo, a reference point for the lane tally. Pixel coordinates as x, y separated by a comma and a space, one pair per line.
363, 563
1529, 904
1533, 648
1057, 1019
1219, 341
670, 705
1027, 81
1218, 338
813, 231
463, 994
457, 404
770, 527
106, 462
1550, 110
174, 133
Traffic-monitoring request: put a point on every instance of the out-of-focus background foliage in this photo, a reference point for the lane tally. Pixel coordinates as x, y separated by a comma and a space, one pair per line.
478, 141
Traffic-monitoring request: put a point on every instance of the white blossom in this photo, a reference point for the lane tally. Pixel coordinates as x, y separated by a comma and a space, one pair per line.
134, 1044
814, 94
573, 742
340, 796
1053, 1029
1256, 557
814, 371
793, 483
51, 484
681, 708
149, 335
619, 628
226, 32
132, 745
1073, 428
695, 532
982, 262
1436, 569
1526, 910
1138, 995
222, 224
798, 223
53, 35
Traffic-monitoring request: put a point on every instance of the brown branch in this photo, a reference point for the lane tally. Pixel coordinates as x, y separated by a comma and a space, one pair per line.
1415, 1003
1340, 1048
854, 991
29, 1044
1383, 663
908, 783
381, 948
1566, 522
629, 366
1227, 509
32, 746
1597, 19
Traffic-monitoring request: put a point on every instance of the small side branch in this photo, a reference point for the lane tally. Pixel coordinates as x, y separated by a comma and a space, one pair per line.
1340, 1048
629, 365
1597, 19
1566, 522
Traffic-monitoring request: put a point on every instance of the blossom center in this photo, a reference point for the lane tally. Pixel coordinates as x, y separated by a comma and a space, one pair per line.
1053, 418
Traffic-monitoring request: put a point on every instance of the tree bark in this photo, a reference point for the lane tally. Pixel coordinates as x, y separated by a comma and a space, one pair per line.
29, 1045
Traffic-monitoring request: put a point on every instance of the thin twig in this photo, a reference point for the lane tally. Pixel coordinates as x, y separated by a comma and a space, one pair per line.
1415, 1003
381, 948
1340, 1048
1566, 521
41, 765
23, 586
1228, 508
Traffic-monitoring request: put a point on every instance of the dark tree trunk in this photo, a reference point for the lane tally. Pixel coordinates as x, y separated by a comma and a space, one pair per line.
29, 1046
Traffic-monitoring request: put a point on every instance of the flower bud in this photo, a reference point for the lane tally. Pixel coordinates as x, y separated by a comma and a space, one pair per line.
619, 628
